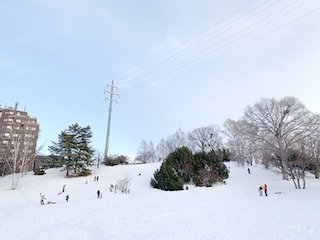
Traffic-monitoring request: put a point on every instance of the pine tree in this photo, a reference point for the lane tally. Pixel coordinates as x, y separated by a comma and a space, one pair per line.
73, 150
181, 166
166, 179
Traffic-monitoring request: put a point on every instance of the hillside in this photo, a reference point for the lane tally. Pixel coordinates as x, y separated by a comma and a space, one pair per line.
231, 211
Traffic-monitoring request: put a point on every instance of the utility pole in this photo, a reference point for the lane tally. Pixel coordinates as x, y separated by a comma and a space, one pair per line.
110, 94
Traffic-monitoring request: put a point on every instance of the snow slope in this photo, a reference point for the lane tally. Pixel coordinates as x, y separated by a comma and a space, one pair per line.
231, 211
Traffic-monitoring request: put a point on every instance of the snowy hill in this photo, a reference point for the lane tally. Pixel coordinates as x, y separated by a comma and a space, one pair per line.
232, 211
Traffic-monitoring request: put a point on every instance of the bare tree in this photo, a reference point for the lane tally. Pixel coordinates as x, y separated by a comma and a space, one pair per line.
99, 157
162, 150
205, 138
240, 140
17, 152
124, 184
146, 152
312, 145
280, 124
298, 161
176, 140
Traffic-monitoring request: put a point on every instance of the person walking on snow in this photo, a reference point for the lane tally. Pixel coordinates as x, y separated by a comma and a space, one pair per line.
63, 188
67, 198
265, 189
97, 178
260, 191
98, 194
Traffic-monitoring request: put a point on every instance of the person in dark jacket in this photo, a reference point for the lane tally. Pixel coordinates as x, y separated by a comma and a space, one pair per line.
67, 198
98, 194
260, 191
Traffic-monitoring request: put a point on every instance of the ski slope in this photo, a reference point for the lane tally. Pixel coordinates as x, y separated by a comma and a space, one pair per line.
223, 212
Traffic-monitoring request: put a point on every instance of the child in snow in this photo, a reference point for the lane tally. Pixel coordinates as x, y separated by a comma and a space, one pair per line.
42, 198
260, 191
98, 194
67, 198
265, 189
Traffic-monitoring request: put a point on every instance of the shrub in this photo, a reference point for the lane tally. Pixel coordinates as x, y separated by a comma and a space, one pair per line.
116, 160
39, 171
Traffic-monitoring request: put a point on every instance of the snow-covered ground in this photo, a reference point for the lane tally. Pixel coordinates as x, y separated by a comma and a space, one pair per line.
232, 211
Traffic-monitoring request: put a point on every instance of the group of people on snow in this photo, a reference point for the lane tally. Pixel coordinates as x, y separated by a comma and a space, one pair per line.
263, 188
99, 194
67, 197
96, 179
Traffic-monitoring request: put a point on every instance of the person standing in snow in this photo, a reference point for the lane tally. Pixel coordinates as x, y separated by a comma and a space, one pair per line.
67, 198
97, 178
265, 189
42, 198
260, 191
63, 188
249, 170
98, 194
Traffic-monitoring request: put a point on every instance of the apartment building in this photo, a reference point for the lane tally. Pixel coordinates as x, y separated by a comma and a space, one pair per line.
18, 140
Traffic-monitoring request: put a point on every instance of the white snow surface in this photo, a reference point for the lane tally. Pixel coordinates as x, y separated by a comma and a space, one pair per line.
232, 211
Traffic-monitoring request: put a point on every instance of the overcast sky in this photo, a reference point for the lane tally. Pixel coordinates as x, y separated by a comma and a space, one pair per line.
177, 64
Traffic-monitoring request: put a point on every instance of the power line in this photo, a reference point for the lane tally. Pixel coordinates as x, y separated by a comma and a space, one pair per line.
226, 43
206, 52
173, 47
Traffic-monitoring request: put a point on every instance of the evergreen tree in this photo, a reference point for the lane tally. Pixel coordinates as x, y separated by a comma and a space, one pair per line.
181, 160
181, 166
166, 179
73, 150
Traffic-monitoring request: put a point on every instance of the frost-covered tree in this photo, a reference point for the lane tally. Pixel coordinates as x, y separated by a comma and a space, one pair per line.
280, 124
162, 150
176, 140
240, 140
312, 146
73, 150
146, 152
98, 157
16, 154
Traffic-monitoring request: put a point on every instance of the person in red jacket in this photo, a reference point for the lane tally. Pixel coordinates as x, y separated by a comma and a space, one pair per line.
265, 189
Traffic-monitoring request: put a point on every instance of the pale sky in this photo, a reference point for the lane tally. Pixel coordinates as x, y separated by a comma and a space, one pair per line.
177, 64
